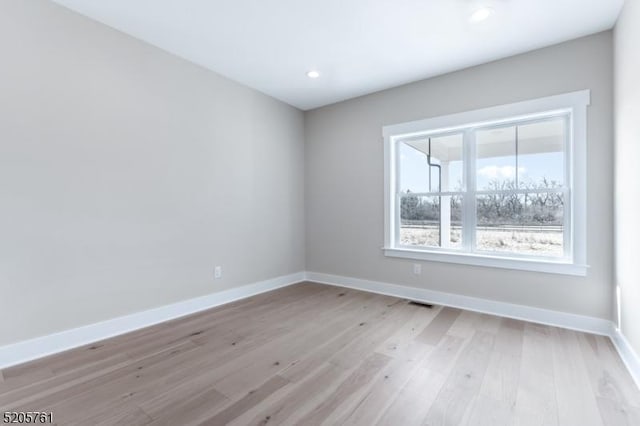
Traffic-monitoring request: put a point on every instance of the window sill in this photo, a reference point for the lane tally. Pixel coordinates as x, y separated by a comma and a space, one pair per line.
548, 266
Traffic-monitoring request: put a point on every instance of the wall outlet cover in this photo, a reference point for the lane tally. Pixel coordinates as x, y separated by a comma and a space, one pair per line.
417, 268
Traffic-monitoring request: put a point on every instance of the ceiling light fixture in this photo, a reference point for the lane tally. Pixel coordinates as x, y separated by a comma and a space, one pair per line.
481, 14
313, 74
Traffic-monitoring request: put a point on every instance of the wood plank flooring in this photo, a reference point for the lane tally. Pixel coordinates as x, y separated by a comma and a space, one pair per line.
312, 354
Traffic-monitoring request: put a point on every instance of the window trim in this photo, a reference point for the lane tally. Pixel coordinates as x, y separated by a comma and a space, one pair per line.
575, 104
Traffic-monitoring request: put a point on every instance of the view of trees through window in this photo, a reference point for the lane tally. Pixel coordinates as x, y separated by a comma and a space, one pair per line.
519, 197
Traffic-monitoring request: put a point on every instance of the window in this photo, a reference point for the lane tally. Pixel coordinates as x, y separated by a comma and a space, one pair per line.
501, 187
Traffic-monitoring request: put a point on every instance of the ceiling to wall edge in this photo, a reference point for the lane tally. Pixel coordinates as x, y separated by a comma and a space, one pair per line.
425, 77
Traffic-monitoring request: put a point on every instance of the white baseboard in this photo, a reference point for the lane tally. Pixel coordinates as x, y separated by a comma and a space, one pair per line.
39, 347
628, 355
18, 353
509, 310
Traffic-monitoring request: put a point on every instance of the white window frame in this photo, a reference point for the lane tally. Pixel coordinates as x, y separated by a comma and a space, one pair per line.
574, 107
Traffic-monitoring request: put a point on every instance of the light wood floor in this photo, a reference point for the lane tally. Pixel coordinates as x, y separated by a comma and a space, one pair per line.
311, 354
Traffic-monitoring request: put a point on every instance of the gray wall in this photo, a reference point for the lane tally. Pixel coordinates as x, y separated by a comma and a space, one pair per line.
627, 177
126, 174
344, 176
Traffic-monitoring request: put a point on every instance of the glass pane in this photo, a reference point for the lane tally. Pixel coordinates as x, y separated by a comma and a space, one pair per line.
431, 165
530, 224
414, 169
541, 154
421, 224
496, 158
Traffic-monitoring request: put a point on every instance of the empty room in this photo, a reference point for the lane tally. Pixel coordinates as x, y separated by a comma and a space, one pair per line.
286, 212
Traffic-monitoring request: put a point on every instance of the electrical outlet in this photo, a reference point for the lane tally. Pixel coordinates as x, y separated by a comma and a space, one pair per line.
417, 269
217, 272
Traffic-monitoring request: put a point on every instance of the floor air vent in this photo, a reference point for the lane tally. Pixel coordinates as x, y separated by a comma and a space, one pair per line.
421, 304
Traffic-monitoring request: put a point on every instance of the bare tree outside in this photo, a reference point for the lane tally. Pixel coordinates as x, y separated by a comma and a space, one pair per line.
529, 222
518, 182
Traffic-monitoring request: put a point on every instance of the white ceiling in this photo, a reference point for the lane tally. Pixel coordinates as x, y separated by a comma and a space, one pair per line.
358, 46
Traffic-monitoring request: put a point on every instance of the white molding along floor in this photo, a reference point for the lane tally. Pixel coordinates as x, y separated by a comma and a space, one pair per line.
526, 313
502, 309
629, 356
39, 347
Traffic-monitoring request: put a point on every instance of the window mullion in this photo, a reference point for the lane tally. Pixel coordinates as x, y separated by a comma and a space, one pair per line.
396, 211
469, 205
568, 222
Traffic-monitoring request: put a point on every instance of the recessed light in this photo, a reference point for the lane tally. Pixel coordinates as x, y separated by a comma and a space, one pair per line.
313, 74
481, 14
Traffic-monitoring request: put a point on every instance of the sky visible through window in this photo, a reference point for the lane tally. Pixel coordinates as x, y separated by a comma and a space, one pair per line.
532, 168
